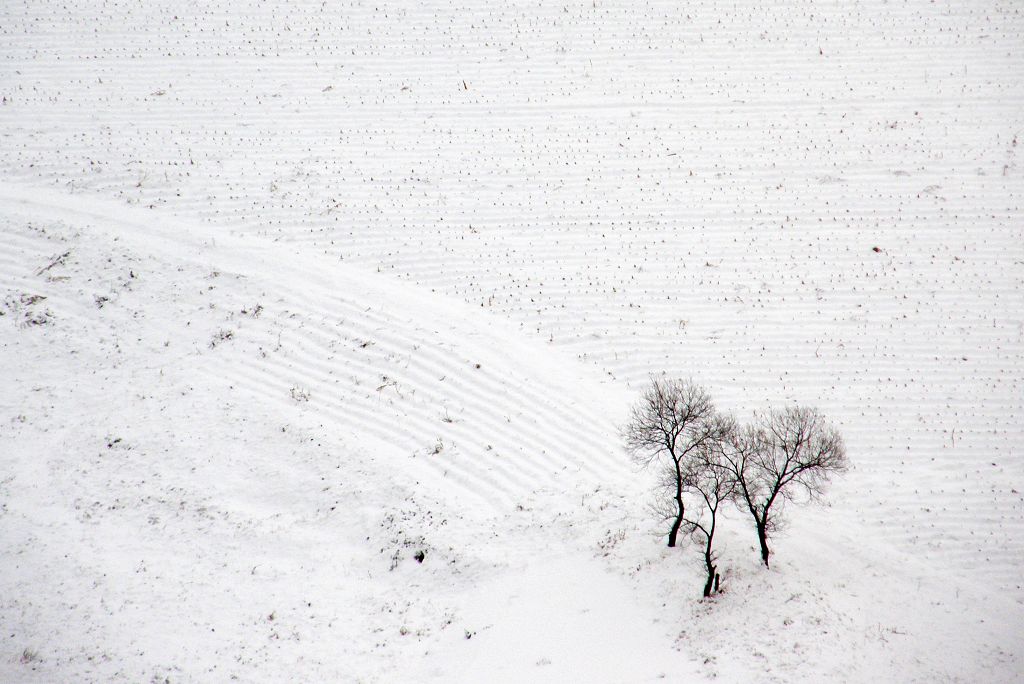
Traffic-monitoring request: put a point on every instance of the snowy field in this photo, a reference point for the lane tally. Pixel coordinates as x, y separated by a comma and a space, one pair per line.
292, 293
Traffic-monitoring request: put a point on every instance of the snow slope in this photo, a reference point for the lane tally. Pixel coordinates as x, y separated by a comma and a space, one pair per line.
391, 279
230, 440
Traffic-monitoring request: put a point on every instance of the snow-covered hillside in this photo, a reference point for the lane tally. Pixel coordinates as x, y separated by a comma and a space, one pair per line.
293, 293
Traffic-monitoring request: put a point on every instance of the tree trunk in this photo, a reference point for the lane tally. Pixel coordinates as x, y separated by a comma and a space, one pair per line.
674, 532
762, 537
710, 584
709, 563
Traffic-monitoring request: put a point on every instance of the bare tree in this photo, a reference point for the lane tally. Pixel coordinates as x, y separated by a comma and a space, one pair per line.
671, 423
785, 454
709, 483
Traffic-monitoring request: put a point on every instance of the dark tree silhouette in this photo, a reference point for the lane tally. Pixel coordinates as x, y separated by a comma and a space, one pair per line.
784, 454
671, 423
709, 483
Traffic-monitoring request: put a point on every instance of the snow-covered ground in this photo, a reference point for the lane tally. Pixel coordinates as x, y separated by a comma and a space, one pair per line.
292, 292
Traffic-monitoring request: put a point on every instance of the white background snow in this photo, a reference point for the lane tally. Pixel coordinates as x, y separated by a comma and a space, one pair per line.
291, 291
